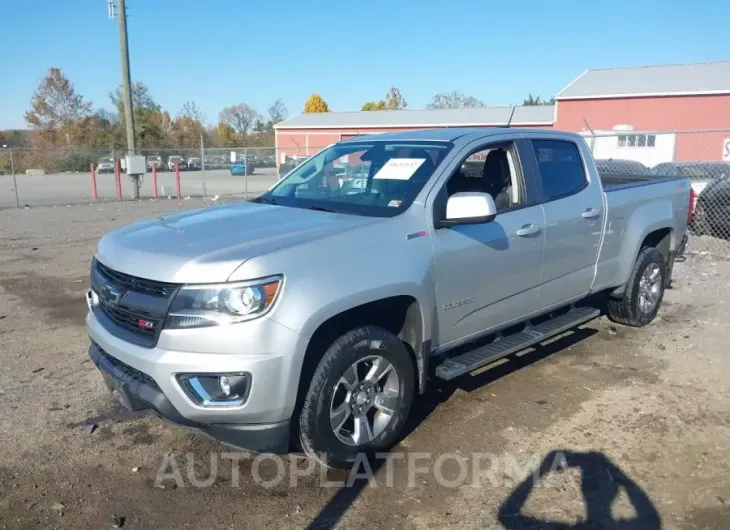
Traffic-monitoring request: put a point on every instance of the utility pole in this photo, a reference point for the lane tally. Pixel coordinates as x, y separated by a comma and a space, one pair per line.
127, 88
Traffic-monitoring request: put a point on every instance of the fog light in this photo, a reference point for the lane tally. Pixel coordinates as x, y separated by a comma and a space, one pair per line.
216, 390
225, 385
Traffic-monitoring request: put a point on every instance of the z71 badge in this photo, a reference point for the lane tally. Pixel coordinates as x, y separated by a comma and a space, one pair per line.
458, 303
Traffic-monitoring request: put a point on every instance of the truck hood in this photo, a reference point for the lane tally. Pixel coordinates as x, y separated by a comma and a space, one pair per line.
208, 245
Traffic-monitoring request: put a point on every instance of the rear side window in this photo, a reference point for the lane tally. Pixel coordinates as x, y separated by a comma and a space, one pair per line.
561, 168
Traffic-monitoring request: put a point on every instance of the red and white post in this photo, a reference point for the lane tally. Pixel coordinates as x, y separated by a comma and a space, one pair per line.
154, 180
118, 179
177, 180
93, 183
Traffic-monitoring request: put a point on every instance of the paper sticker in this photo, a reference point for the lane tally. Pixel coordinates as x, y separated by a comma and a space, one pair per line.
399, 168
394, 204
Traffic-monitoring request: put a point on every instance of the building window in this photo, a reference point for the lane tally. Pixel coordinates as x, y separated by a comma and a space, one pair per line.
636, 140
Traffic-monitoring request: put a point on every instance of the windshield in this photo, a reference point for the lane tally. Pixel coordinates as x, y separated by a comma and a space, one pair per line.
376, 178
106, 161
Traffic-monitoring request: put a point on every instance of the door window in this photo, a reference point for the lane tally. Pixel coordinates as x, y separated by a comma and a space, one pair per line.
561, 168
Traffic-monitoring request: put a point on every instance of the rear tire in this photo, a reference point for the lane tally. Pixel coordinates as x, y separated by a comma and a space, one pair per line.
701, 222
644, 291
333, 405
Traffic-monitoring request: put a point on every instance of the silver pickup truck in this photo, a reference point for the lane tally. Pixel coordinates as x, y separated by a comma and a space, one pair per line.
311, 317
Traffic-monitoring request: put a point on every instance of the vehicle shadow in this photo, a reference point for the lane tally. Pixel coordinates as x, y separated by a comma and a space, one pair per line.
438, 392
601, 483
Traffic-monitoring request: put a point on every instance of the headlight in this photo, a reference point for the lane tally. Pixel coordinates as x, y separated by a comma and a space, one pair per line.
197, 306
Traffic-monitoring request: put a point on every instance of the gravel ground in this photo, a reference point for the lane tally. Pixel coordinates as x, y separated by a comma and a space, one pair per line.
631, 426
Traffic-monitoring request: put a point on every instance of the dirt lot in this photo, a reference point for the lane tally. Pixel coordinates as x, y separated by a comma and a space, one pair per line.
640, 419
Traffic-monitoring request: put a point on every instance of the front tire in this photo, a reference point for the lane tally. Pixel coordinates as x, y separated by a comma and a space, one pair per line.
644, 291
359, 397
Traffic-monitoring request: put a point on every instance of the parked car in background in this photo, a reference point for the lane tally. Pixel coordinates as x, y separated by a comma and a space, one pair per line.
241, 167
175, 159
620, 166
154, 161
105, 165
290, 163
314, 316
699, 173
194, 163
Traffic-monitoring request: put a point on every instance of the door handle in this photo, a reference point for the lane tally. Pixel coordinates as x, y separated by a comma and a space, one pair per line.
591, 213
529, 230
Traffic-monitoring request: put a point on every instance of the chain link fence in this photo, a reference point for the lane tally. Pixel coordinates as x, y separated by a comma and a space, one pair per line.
36, 177
697, 155
45, 177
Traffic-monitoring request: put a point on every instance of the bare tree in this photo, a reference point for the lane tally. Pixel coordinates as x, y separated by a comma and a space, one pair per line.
192, 111
394, 100
277, 112
240, 118
454, 100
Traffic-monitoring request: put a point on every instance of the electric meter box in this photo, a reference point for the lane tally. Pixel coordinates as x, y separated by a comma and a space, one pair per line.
135, 165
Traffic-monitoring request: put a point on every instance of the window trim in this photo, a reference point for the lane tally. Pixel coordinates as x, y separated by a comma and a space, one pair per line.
523, 172
538, 174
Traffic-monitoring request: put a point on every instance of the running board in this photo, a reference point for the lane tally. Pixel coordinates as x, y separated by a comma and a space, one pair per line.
503, 346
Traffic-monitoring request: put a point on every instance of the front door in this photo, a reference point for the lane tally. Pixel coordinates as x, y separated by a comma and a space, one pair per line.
485, 275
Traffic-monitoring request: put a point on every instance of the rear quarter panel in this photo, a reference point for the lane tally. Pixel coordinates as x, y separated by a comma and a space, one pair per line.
632, 214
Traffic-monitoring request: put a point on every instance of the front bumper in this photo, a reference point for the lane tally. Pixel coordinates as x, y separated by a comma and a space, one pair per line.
137, 391
271, 353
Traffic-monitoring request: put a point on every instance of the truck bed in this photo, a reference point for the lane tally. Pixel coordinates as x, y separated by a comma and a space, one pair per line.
617, 181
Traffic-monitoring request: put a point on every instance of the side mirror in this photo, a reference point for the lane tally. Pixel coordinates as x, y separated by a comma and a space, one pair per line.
466, 208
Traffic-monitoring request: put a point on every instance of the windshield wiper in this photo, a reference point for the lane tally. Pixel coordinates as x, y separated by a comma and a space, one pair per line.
320, 208
265, 200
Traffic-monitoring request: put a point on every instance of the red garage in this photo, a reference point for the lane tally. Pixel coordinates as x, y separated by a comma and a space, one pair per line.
307, 134
650, 114
634, 105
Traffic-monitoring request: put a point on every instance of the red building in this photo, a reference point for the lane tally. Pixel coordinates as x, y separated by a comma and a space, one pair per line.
690, 103
306, 134
651, 114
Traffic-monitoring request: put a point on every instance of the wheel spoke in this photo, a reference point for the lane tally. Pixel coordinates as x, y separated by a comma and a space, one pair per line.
363, 433
379, 370
339, 416
654, 275
386, 403
349, 379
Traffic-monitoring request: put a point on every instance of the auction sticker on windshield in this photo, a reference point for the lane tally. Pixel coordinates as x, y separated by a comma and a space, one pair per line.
399, 168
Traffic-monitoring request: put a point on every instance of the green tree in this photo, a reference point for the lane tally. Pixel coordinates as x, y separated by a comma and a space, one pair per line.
531, 101
56, 110
394, 100
454, 100
151, 124
372, 105
315, 103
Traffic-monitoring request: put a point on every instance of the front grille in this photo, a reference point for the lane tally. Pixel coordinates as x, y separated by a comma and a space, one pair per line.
132, 283
131, 320
135, 307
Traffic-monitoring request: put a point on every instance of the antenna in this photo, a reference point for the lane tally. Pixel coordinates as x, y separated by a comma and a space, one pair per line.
511, 115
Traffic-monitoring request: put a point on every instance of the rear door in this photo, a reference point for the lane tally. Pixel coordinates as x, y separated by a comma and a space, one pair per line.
573, 207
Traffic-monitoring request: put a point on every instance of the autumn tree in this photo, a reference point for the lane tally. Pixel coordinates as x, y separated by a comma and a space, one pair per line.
454, 100
531, 101
315, 103
56, 110
188, 126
